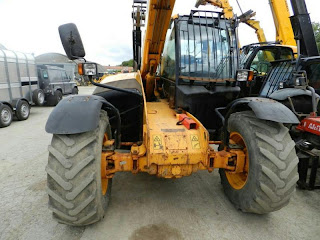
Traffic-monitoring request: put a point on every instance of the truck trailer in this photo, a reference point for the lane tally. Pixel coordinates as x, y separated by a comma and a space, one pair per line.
19, 86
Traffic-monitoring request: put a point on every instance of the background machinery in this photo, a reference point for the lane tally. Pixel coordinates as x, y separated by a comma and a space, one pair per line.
166, 126
284, 82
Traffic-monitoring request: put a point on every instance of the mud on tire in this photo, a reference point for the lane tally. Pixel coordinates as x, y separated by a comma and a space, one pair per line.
273, 163
74, 176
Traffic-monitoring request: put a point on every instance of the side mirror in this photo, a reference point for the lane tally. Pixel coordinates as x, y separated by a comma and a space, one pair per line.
71, 41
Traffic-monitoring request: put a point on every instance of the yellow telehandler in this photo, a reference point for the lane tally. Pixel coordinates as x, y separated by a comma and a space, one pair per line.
169, 124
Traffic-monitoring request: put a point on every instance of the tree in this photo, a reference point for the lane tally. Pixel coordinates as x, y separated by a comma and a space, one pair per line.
316, 30
127, 63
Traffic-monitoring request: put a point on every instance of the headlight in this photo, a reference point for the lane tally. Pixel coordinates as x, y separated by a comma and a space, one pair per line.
244, 75
87, 69
281, 85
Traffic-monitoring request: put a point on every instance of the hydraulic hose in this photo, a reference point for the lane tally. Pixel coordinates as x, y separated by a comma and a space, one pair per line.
116, 113
114, 88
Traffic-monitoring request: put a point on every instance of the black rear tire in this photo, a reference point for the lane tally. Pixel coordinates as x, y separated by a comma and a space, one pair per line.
75, 91
272, 175
53, 100
23, 110
38, 97
74, 176
6, 115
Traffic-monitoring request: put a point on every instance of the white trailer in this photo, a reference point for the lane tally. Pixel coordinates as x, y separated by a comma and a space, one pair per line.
19, 86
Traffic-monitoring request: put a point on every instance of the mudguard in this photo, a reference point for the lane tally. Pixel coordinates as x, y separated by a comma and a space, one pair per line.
283, 94
75, 114
266, 109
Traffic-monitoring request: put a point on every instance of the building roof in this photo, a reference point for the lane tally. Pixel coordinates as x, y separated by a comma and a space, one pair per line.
52, 58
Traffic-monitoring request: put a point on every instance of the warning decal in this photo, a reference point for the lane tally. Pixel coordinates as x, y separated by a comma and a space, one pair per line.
157, 143
195, 141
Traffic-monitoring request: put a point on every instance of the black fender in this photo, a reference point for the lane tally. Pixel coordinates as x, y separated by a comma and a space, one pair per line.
75, 114
8, 104
264, 108
15, 102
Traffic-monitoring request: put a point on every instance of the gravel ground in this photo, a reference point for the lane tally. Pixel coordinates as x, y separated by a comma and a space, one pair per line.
142, 206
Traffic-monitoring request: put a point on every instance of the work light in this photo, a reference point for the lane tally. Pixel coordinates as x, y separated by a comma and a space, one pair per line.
244, 75
87, 69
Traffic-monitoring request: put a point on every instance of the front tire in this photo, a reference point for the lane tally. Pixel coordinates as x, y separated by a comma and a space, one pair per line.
272, 165
74, 176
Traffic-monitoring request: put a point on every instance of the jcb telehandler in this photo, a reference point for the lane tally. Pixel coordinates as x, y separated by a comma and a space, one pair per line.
167, 126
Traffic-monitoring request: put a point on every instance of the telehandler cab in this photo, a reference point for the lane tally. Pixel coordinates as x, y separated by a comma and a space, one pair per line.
168, 126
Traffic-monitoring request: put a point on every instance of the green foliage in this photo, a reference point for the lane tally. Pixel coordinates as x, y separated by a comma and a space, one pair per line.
127, 63
316, 29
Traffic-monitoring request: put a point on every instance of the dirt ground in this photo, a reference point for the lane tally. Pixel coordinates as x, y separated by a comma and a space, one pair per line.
141, 207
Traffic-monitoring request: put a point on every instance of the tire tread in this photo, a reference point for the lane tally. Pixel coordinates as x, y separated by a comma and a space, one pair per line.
72, 177
278, 163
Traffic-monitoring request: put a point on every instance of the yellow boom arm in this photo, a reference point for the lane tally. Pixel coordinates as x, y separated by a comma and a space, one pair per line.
224, 4
159, 15
228, 12
281, 18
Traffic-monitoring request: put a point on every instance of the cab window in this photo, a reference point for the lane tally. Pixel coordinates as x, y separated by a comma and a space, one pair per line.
313, 73
45, 74
55, 76
261, 64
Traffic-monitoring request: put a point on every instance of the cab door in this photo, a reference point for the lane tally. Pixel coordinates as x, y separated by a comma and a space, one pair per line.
260, 63
66, 82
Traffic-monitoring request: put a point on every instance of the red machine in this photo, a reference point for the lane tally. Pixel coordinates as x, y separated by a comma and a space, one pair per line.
310, 128
310, 124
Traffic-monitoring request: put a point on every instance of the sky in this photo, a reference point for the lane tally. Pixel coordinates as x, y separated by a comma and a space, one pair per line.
31, 26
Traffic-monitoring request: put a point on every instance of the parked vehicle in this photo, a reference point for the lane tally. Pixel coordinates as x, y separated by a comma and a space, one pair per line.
19, 87
55, 83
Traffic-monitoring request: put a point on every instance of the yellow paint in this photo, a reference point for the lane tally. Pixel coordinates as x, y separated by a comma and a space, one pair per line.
224, 4
159, 15
238, 178
281, 18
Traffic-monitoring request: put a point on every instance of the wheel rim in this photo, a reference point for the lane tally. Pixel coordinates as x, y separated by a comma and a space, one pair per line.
40, 97
6, 116
104, 179
239, 180
59, 97
24, 110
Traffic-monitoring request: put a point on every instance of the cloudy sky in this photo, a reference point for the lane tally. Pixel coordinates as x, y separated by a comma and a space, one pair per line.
31, 26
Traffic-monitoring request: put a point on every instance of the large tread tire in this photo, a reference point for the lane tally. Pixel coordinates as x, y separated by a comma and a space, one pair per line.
273, 164
74, 176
